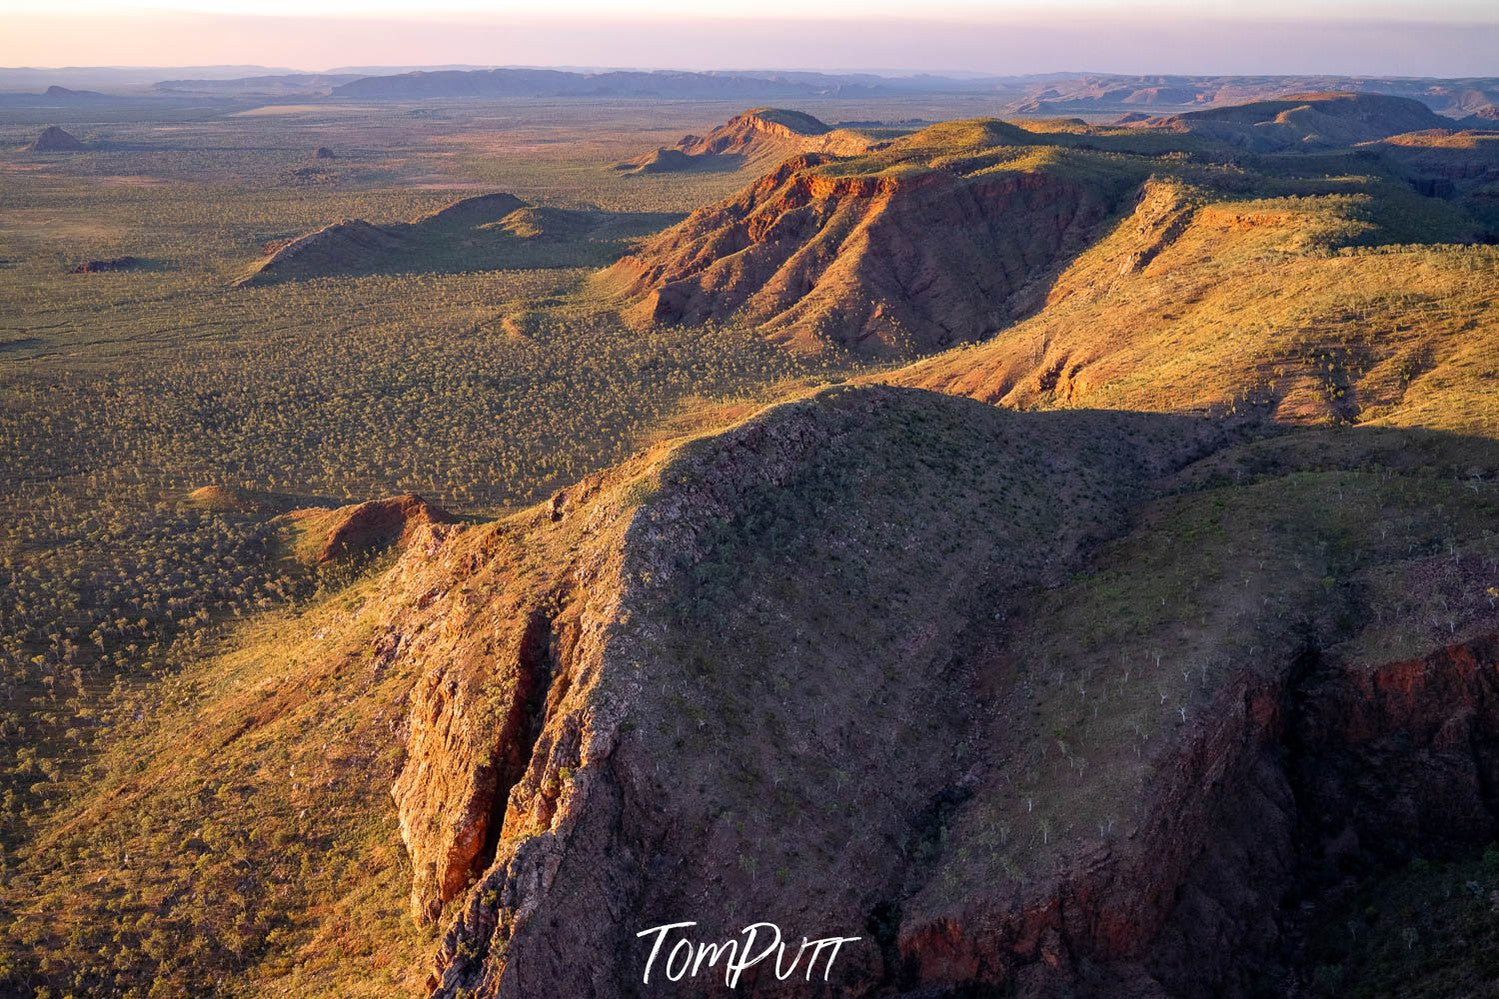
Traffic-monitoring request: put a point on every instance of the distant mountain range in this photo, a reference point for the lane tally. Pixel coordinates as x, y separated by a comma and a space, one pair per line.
121, 78
629, 83
1042, 94
1091, 93
1048, 94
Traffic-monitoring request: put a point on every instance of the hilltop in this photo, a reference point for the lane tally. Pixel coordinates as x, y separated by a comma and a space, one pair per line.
751, 138
1169, 312
55, 140
360, 530
894, 252
754, 126
477, 233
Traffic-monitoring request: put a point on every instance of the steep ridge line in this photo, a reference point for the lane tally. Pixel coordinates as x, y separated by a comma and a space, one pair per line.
886, 264
951, 234
663, 595
753, 137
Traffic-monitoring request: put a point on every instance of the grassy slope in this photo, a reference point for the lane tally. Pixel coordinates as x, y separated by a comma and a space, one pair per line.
237, 832
1305, 309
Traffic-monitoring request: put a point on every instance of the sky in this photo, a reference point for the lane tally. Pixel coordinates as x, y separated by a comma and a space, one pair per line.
1356, 37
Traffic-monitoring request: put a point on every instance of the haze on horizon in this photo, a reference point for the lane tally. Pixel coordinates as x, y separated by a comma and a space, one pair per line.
1354, 37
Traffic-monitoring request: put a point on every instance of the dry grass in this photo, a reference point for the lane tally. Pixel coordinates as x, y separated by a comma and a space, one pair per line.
237, 835
1257, 305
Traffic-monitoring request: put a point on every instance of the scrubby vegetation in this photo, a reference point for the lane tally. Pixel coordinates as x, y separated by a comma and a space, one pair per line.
235, 832
196, 798
1427, 931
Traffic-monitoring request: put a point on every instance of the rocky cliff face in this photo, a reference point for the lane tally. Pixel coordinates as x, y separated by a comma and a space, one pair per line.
1401, 759
901, 261
748, 133
505, 619
832, 669
557, 740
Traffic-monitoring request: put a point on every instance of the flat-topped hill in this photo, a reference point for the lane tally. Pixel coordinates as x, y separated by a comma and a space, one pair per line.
755, 126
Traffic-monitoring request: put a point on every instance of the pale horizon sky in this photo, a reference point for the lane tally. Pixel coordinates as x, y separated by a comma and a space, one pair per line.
1350, 37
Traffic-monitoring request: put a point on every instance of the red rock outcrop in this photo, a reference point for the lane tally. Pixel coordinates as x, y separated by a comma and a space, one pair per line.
757, 136
756, 129
1404, 755
363, 528
902, 261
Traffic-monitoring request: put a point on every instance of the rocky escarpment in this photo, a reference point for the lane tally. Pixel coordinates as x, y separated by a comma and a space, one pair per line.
757, 136
1153, 317
1458, 165
904, 260
745, 132
1401, 759
598, 673
836, 669
1265, 805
